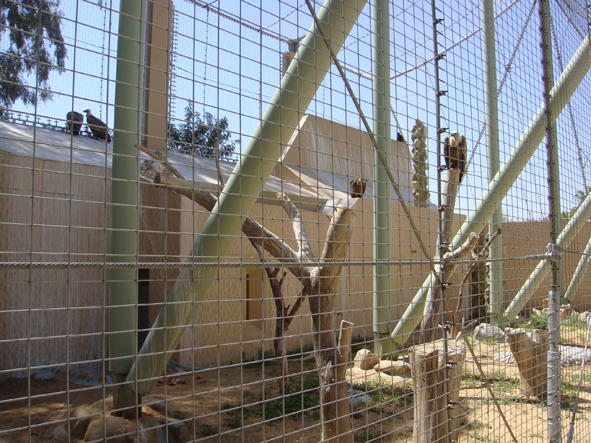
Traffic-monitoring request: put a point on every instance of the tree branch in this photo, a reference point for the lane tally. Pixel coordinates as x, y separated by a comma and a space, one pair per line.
160, 157
252, 229
298, 225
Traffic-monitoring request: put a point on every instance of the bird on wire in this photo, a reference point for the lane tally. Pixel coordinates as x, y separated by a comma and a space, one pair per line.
455, 152
99, 129
75, 121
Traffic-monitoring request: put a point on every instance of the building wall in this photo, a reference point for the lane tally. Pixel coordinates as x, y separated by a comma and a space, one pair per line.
57, 214
532, 237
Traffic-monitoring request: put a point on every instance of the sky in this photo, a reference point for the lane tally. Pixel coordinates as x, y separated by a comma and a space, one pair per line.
227, 60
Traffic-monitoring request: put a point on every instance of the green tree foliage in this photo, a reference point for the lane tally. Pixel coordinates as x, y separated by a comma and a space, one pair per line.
35, 47
581, 196
197, 135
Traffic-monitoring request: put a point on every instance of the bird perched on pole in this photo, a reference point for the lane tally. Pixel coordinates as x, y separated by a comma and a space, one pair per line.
99, 128
455, 152
75, 120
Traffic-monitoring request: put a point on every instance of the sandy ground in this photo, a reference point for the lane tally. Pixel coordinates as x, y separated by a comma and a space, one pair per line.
244, 404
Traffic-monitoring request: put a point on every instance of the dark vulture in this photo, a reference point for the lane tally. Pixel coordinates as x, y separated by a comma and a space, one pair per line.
75, 120
400, 137
99, 128
455, 152
357, 187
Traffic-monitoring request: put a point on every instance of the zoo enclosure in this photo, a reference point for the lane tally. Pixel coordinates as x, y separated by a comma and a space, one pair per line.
93, 247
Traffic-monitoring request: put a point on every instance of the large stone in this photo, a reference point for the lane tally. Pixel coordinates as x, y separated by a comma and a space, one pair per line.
80, 419
485, 332
113, 428
365, 359
104, 405
178, 431
392, 367
584, 317
160, 406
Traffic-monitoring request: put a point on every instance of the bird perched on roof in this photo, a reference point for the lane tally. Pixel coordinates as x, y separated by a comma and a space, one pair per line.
75, 120
99, 128
357, 187
400, 137
455, 152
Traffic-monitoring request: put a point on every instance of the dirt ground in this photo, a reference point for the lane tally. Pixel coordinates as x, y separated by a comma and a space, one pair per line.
244, 403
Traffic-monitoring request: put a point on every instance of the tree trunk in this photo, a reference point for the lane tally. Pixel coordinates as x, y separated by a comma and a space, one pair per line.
318, 283
434, 417
432, 310
531, 354
334, 399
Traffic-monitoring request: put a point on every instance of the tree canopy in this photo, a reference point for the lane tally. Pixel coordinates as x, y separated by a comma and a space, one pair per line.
197, 135
581, 196
36, 46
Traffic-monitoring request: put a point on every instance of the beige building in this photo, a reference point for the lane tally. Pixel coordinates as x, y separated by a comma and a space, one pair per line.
54, 195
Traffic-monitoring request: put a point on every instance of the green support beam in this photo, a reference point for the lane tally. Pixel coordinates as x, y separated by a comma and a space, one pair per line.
124, 188
498, 188
279, 121
381, 185
492, 144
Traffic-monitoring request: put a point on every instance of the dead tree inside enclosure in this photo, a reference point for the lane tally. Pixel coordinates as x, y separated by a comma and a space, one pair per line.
455, 159
318, 282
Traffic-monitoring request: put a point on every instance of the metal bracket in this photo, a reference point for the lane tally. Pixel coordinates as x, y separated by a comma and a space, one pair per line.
553, 252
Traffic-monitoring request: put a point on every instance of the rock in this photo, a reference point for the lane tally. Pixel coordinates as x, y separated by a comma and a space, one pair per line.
80, 419
536, 312
365, 359
160, 406
107, 427
484, 332
105, 405
392, 367
545, 311
178, 431
60, 433
584, 316
565, 312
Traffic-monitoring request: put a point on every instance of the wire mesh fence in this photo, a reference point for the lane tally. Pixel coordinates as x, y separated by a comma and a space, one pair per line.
294, 221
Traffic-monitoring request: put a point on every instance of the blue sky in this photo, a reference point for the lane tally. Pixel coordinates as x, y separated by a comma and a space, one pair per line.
228, 67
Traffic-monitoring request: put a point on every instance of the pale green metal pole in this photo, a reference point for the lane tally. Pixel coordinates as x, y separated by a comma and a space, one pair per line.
279, 121
575, 281
381, 186
124, 188
537, 276
492, 143
531, 138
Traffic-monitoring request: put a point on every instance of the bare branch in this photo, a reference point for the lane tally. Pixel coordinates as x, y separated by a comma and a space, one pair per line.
456, 326
337, 240
252, 229
463, 250
217, 164
298, 225
159, 156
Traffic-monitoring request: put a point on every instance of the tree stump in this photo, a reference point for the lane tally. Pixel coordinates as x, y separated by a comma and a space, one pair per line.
530, 350
427, 363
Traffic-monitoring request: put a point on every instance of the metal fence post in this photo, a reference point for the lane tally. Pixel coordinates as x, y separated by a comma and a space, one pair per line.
554, 364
